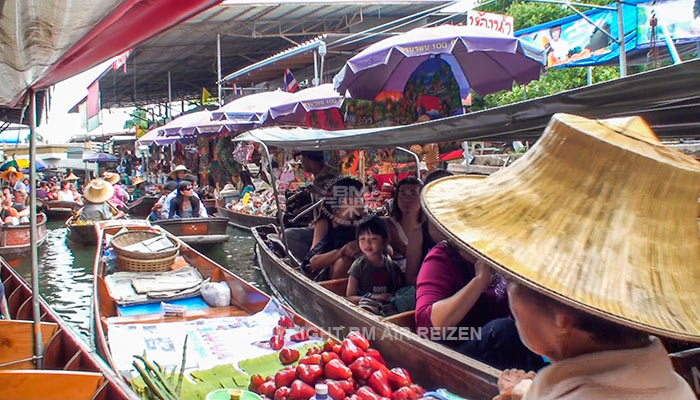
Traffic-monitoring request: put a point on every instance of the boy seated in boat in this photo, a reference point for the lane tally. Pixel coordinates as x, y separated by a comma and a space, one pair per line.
374, 276
159, 211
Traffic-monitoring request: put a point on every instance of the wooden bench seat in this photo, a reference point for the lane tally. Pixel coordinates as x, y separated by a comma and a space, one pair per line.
405, 319
49, 385
337, 286
17, 342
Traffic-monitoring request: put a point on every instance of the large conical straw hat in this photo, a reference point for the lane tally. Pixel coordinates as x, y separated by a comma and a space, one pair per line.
598, 215
98, 191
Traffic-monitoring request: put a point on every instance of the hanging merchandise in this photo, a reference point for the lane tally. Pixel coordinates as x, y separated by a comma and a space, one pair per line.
243, 153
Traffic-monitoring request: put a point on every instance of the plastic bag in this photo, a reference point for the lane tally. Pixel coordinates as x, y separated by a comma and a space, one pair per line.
216, 294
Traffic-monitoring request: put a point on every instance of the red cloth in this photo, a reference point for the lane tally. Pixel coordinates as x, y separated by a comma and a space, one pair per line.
442, 274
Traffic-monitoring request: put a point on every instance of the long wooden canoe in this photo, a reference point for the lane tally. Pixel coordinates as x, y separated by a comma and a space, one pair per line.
245, 299
326, 304
58, 209
81, 233
243, 220
197, 231
71, 370
142, 207
14, 239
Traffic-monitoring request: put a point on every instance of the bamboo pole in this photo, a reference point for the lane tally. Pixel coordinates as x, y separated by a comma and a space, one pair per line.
34, 254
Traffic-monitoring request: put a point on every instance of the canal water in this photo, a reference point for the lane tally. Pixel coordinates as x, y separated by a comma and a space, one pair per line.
65, 271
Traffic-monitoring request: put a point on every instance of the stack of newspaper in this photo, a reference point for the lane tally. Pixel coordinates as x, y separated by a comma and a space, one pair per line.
152, 245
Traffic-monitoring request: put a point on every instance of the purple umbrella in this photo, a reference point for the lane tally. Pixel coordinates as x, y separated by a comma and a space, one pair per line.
487, 60
185, 125
99, 157
311, 99
250, 108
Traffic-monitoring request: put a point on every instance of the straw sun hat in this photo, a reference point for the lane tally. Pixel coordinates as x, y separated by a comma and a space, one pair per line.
71, 177
138, 181
111, 177
11, 170
598, 215
98, 191
179, 168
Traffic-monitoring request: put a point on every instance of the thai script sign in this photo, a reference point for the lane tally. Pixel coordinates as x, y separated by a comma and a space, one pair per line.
495, 22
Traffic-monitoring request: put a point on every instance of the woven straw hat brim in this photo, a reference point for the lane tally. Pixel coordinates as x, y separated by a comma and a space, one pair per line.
98, 191
597, 214
137, 181
71, 177
111, 177
179, 168
11, 170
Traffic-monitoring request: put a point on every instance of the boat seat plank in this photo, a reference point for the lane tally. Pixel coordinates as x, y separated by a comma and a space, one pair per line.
213, 312
48, 384
17, 343
405, 319
337, 286
687, 364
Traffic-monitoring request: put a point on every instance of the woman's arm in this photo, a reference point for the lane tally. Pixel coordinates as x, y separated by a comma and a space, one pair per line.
397, 243
451, 310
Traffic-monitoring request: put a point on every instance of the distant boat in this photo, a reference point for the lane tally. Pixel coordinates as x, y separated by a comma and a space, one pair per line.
196, 231
15, 241
243, 220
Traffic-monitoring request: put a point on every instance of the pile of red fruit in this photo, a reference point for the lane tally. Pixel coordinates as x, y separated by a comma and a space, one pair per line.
351, 369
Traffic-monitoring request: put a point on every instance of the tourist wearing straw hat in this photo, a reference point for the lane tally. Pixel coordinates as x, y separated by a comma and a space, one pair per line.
139, 188
15, 178
595, 229
96, 208
178, 174
121, 196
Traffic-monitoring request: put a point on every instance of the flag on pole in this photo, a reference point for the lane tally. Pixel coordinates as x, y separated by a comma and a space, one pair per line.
237, 90
93, 106
290, 84
205, 95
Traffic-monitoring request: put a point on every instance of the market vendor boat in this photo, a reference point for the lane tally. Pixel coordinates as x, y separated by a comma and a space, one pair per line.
14, 239
394, 335
141, 207
70, 369
197, 231
125, 326
59, 209
244, 220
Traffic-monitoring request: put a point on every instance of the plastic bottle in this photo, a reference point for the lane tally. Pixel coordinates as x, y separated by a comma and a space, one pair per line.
321, 392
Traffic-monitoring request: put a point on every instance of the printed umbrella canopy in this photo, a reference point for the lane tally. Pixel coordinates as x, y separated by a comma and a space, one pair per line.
310, 99
21, 164
486, 60
251, 108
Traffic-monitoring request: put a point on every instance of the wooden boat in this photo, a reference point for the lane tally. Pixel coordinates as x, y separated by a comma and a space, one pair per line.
245, 299
394, 337
196, 231
142, 207
55, 209
14, 239
243, 220
210, 204
82, 233
70, 370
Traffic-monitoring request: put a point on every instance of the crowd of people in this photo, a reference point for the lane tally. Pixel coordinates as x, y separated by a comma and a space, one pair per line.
409, 261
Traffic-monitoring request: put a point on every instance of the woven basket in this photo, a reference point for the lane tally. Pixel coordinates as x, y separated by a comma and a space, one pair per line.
128, 238
145, 265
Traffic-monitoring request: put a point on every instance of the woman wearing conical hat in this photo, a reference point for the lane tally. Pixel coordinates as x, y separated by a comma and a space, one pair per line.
139, 188
595, 229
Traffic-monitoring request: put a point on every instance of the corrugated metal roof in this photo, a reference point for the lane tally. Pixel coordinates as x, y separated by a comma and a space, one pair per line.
251, 31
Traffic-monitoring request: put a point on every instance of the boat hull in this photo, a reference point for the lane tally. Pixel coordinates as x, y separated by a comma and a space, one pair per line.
84, 235
210, 204
142, 207
197, 231
57, 209
244, 221
433, 363
15, 241
70, 369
